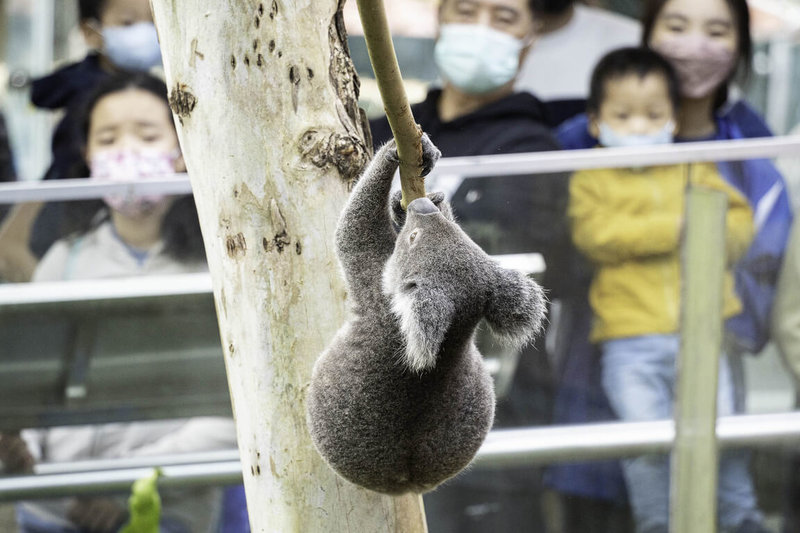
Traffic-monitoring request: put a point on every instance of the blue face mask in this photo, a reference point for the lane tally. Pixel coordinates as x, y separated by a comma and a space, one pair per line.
611, 139
133, 47
476, 58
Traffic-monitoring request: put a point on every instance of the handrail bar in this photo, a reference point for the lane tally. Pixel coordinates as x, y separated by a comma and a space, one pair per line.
117, 480
621, 439
643, 156
474, 166
85, 189
71, 291
148, 461
503, 448
139, 287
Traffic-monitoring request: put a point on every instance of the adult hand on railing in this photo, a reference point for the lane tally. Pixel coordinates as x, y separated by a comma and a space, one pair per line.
97, 515
14, 454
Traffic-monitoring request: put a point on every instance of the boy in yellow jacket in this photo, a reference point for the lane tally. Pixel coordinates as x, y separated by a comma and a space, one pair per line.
629, 222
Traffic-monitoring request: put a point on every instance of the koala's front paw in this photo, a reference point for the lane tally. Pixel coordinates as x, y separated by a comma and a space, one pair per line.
390, 151
430, 155
397, 211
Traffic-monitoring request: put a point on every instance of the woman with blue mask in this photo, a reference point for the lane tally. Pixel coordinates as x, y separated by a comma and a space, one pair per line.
130, 47
122, 37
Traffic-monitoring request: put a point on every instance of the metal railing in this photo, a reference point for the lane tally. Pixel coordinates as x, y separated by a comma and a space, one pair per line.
502, 448
497, 165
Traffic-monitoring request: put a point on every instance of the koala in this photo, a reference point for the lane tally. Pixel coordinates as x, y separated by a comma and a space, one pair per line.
400, 400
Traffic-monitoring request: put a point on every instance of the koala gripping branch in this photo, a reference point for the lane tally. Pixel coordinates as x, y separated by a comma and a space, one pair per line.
406, 132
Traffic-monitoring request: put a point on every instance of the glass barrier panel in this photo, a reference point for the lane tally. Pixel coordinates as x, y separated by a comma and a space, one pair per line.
109, 330
116, 328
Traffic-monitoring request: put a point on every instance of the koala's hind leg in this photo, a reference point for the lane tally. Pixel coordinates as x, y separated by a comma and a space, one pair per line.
456, 415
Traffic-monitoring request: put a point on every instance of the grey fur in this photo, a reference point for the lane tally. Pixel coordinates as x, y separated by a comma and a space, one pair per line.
400, 400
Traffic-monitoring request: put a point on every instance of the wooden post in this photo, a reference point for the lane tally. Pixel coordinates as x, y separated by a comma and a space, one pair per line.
265, 97
694, 461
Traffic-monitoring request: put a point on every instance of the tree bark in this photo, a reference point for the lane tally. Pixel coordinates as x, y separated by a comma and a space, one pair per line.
265, 97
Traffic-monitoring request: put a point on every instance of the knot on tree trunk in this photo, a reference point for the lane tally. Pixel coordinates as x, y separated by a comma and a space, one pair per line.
324, 148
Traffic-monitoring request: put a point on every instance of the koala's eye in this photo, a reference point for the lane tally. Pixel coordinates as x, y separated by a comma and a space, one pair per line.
413, 236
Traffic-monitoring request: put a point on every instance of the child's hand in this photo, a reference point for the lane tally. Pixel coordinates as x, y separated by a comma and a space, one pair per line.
14, 454
17, 263
97, 515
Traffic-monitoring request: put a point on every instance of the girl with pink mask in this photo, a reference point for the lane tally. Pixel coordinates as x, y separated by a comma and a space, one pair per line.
126, 133
121, 37
708, 43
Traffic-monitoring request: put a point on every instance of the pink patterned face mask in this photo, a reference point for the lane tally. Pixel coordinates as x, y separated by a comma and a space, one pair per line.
702, 64
126, 165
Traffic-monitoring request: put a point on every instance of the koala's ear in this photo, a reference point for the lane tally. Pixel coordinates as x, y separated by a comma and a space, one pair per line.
516, 308
425, 316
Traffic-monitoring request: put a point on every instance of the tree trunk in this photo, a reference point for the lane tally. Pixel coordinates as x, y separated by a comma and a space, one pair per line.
266, 100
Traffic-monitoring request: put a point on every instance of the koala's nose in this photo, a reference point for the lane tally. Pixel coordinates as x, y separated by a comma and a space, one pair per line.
422, 206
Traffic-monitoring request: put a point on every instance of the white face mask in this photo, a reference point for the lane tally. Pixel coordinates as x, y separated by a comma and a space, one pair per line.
476, 58
611, 139
133, 47
125, 165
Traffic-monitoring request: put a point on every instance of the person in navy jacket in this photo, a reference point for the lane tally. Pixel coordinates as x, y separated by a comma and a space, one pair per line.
706, 54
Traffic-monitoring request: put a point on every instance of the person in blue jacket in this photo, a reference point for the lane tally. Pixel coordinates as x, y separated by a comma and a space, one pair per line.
121, 36
707, 43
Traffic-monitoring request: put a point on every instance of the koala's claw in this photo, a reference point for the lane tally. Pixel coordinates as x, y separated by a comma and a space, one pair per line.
430, 155
391, 151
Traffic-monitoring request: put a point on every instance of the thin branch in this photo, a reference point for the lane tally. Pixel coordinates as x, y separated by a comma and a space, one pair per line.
390, 84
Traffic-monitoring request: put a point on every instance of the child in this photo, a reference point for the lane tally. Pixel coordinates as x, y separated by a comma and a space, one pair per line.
127, 132
122, 37
629, 222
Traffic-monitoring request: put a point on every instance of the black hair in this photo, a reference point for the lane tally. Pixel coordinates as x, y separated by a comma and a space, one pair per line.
91, 9
627, 61
741, 20
551, 7
180, 228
